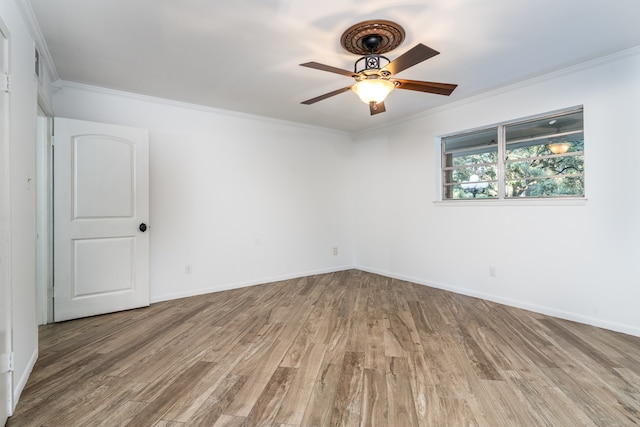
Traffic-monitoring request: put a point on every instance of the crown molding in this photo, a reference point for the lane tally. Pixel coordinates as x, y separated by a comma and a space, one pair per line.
65, 84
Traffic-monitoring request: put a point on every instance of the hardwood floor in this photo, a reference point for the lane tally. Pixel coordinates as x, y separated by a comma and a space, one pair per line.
341, 349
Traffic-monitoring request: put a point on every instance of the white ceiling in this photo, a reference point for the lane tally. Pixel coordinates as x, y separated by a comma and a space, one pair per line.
243, 55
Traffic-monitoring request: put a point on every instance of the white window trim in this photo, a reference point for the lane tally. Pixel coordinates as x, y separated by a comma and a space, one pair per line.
529, 201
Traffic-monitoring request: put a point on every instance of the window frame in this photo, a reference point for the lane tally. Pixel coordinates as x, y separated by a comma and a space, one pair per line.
502, 162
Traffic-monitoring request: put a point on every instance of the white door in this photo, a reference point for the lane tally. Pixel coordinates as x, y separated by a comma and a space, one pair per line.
101, 214
5, 295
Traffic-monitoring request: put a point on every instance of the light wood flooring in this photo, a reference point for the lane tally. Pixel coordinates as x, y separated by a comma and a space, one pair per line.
340, 349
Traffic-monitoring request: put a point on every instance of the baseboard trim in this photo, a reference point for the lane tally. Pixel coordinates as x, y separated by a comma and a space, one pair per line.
22, 381
254, 282
549, 311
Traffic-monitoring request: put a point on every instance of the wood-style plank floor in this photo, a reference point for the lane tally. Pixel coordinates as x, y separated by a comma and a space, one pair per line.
340, 349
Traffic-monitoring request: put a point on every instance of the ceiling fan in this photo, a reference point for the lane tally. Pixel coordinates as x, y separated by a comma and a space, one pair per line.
373, 72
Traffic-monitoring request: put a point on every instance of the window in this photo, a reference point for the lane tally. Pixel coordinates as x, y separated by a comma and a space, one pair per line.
539, 157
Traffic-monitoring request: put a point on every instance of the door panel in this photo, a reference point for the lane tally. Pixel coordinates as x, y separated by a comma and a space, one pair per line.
99, 160
101, 196
103, 266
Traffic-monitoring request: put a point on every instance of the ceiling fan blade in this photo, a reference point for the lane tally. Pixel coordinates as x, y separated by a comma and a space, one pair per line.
329, 68
410, 58
376, 108
325, 96
430, 87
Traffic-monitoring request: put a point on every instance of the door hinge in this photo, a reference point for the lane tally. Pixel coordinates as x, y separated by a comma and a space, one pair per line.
5, 82
6, 362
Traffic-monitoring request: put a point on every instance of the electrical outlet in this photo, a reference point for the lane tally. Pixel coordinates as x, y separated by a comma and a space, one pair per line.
187, 269
492, 271
335, 250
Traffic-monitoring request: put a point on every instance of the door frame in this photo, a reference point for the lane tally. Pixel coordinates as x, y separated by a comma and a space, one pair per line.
5, 223
44, 213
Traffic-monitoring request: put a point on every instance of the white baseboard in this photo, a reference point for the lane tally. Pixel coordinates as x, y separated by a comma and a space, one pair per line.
550, 311
22, 381
237, 285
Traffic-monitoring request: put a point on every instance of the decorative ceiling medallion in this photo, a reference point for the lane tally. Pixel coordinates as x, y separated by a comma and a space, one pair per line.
390, 34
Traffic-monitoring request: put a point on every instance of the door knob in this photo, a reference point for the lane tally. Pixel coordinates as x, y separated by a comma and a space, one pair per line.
143, 227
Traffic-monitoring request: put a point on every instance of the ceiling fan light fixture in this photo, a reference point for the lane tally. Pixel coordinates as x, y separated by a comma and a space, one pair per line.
559, 147
373, 90
373, 71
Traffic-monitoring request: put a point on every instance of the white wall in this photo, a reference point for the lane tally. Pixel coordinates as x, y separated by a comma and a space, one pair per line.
247, 200
241, 199
23, 107
577, 262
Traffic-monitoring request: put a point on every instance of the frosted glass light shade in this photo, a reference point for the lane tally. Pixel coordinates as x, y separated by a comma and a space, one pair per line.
559, 147
473, 183
373, 90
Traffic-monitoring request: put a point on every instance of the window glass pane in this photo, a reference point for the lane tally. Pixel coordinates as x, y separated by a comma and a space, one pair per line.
489, 155
472, 140
549, 126
471, 190
471, 165
544, 157
546, 187
542, 147
545, 166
